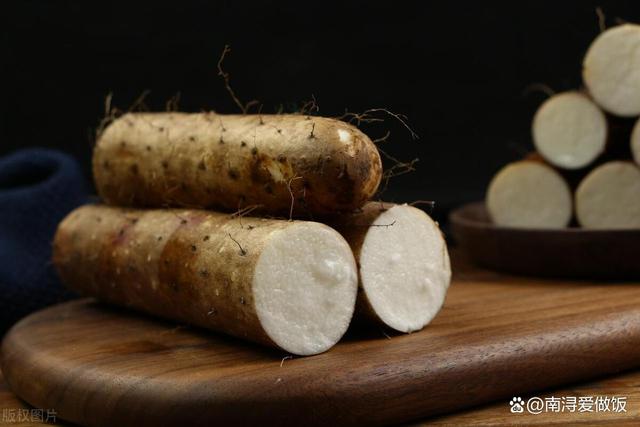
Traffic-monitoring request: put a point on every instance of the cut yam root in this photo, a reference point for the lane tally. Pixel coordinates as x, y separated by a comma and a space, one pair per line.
288, 284
404, 264
278, 164
529, 194
609, 197
610, 70
569, 130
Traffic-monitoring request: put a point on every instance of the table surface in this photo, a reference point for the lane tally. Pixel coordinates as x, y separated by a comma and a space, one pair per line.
626, 385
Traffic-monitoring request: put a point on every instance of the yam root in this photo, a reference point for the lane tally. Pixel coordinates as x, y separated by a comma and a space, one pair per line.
609, 197
404, 267
529, 194
288, 284
569, 130
610, 70
281, 164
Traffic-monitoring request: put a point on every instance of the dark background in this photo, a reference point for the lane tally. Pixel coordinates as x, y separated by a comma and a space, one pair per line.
457, 70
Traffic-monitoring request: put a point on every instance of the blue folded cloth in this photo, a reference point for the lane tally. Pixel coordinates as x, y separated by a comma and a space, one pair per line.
38, 187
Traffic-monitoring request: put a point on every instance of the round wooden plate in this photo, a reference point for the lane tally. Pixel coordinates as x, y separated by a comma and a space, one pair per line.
568, 252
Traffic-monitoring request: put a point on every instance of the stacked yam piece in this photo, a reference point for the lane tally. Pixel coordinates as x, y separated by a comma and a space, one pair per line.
587, 148
174, 237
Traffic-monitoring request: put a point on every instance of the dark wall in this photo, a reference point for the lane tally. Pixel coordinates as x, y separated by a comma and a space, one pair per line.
456, 69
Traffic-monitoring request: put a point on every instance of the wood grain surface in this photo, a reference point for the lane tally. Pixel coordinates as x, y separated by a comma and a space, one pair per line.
497, 336
498, 414
495, 414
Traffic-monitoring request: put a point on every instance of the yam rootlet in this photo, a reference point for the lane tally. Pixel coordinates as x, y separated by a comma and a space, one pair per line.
403, 264
278, 163
289, 284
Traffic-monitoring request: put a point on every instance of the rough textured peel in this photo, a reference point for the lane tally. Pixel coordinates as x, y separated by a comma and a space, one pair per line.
230, 162
289, 284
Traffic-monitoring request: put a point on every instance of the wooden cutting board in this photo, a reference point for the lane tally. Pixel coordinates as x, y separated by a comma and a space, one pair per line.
497, 336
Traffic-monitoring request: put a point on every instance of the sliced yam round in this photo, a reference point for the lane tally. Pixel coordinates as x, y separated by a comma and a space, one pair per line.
611, 70
404, 264
529, 194
288, 284
569, 130
609, 197
635, 142
304, 288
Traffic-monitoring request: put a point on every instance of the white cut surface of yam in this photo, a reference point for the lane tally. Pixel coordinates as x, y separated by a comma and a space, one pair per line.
404, 264
569, 130
288, 284
611, 70
529, 194
609, 197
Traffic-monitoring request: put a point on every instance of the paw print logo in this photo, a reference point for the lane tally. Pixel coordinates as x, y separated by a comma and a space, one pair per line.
516, 405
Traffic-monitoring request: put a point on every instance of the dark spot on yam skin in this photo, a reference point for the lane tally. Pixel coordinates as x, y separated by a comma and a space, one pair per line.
194, 248
205, 238
221, 141
159, 239
134, 169
192, 138
148, 148
233, 174
134, 221
243, 144
183, 221
279, 130
344, 191
282, 158
165, 164
106, 164
160, 129
204, 273
123, 144
202, 166
254, 151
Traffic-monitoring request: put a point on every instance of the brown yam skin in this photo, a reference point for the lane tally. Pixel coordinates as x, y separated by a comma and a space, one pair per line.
229, 162
354, 227
178, 264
